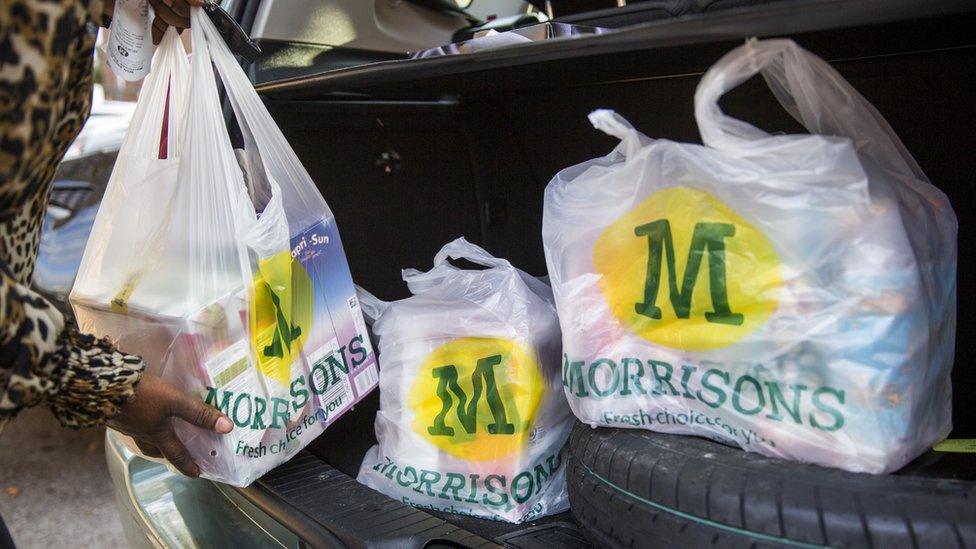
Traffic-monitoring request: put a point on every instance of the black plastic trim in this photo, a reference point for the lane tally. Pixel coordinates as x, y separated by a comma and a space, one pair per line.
554, 535
280, 60
302, 525
327, 508
781, 18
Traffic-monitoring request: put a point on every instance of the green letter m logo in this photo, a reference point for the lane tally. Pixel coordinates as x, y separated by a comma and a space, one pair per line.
708, 237
483, 379
284, 333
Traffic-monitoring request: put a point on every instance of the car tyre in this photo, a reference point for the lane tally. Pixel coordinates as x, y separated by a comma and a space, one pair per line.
633, 488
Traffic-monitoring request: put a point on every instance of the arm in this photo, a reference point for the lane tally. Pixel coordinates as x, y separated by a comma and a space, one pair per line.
87, 381
43, 361
84, 381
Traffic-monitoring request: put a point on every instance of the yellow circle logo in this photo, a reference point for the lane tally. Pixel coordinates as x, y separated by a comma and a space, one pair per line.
685, 271
281, 314
476, 398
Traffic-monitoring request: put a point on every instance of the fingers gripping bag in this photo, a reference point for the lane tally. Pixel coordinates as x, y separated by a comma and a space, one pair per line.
790, 294
472, 416
231, 283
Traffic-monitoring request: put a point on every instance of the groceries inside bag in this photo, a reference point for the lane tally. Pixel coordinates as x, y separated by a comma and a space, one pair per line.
791, 294
472, 416
224, 269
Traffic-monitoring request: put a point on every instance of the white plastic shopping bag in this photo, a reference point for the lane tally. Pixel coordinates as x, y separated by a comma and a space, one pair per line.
792, 294
472, 417
235, 289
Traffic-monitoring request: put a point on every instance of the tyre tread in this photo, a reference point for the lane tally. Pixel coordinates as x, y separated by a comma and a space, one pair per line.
715, 481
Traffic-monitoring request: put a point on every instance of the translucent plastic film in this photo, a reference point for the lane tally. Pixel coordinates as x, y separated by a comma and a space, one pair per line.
791, 294
472, 419
224, 268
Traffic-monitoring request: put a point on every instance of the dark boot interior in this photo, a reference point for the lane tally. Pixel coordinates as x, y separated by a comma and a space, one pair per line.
412, 162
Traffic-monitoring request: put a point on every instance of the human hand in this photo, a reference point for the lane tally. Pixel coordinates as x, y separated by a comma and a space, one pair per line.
174, 13
148, 419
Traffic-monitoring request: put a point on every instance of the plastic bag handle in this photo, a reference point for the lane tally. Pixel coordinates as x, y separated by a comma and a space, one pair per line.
258, 128
420, 281
462, 249
809, 89
614, 125
268, 233
170, 65
161, 106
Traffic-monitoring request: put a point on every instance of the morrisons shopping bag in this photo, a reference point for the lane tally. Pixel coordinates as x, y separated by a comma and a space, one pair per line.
232, 284
472, 417
792, 294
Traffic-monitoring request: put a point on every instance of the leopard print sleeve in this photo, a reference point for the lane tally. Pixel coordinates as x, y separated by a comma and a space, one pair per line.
84, 380
45, 89
94, 379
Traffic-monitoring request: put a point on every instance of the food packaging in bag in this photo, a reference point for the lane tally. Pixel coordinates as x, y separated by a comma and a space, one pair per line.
790, 294
231, 284
472, 416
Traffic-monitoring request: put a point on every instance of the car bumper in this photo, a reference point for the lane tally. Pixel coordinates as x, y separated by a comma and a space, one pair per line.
161, 508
